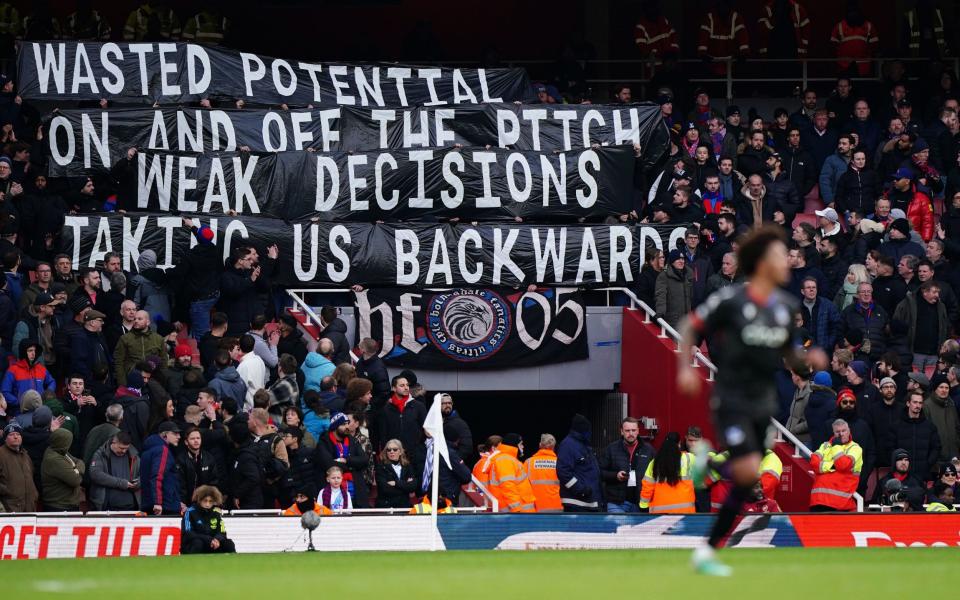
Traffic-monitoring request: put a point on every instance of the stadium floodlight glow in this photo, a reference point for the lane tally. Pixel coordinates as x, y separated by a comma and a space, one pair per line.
310, 521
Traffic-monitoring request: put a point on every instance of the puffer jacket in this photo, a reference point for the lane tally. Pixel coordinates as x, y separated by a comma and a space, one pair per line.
579, 473
24, 375
870, 321
315, 367
336, 332
61, 474
161, 476
919, 437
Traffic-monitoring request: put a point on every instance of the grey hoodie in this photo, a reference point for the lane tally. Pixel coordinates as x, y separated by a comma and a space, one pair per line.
227, 382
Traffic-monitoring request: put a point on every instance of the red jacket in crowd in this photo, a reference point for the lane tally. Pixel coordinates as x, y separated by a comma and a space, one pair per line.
722, 37
656, 37
857, 42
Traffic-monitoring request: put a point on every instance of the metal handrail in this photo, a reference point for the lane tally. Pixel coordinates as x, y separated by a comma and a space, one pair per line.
494, 503
800, 449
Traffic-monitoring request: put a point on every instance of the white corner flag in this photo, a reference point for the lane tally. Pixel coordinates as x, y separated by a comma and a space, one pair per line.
434, 426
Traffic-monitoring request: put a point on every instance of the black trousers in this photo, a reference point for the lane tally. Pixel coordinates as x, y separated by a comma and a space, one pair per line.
197, 546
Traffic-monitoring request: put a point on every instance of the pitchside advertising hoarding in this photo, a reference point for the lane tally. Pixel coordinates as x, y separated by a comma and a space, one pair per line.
39, 537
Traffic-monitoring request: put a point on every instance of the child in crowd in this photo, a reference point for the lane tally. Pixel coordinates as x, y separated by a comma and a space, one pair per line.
335, 495
203, 531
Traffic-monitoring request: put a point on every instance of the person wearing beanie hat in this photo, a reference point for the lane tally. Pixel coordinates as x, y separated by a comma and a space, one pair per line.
18, 492
199, 273
340, 448
579, 470
847, 409
674, 289
858, 381
508, 482
178, 373
941, 411
25, 374
899, 462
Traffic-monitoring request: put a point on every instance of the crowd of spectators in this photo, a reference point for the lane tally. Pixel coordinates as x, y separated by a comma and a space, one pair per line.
106, 406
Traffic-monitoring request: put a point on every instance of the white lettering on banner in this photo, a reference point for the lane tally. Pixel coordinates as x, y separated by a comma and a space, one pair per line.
279, 131
407, 309
650, 233
365, 327
42, 537
157, 180
196, 56
553, 250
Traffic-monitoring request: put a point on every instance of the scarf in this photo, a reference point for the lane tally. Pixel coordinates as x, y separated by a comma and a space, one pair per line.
343, 451
717, 139
689, 148
849, 292
326, 498
399, 402
926, 169
712, 202
427, 467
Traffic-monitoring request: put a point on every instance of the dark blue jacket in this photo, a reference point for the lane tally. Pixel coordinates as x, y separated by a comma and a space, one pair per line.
823, 323
579, 473
160, 482
820, 406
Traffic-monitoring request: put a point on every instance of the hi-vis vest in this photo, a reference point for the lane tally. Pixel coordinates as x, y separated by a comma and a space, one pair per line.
541, 470
837, 475
771, 468
508, 482
656, 37
801, 27
940, 507
136, 26
424, 508
913, 25
855, 43
661, 497
205, 28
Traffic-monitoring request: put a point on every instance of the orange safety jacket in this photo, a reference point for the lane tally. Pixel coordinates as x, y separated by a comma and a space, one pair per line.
661, 497
294, 511
541, 469
837, 468
656, 38
855, 43
425, 508
801, 27
508, 482
481, 470
722, 38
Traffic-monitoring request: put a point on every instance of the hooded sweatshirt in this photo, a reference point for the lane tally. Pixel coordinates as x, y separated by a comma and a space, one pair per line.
25, 375
227, 382
315, 368
61, 473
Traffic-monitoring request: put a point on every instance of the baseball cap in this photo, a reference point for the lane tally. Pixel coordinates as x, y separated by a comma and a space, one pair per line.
94, 314
43, 299
904, 103
168, 427
829, 214
903, 173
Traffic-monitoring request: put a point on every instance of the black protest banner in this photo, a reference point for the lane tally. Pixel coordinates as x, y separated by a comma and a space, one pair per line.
85, 142
173, 73
484, 328
473, 184
387, 255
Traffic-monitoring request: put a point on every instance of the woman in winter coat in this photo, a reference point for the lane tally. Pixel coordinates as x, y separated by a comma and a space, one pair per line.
149, 285
859, 187
647, 282
396, 479
61, 474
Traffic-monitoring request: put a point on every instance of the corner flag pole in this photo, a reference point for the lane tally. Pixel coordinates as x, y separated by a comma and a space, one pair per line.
434, 426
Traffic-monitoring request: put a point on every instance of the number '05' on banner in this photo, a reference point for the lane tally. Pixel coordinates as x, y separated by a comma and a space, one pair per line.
489, 328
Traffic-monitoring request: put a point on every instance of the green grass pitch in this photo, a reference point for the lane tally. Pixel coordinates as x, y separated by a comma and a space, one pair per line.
769, 574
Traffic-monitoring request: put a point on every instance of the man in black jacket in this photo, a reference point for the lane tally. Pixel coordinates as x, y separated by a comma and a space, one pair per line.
302, 472
798, 164
198, 277
754, 157
371, 367
402, 416
622, 466
918, 436
241, 284
780, 190
245, 478
455, 429
335, 330
196, 466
